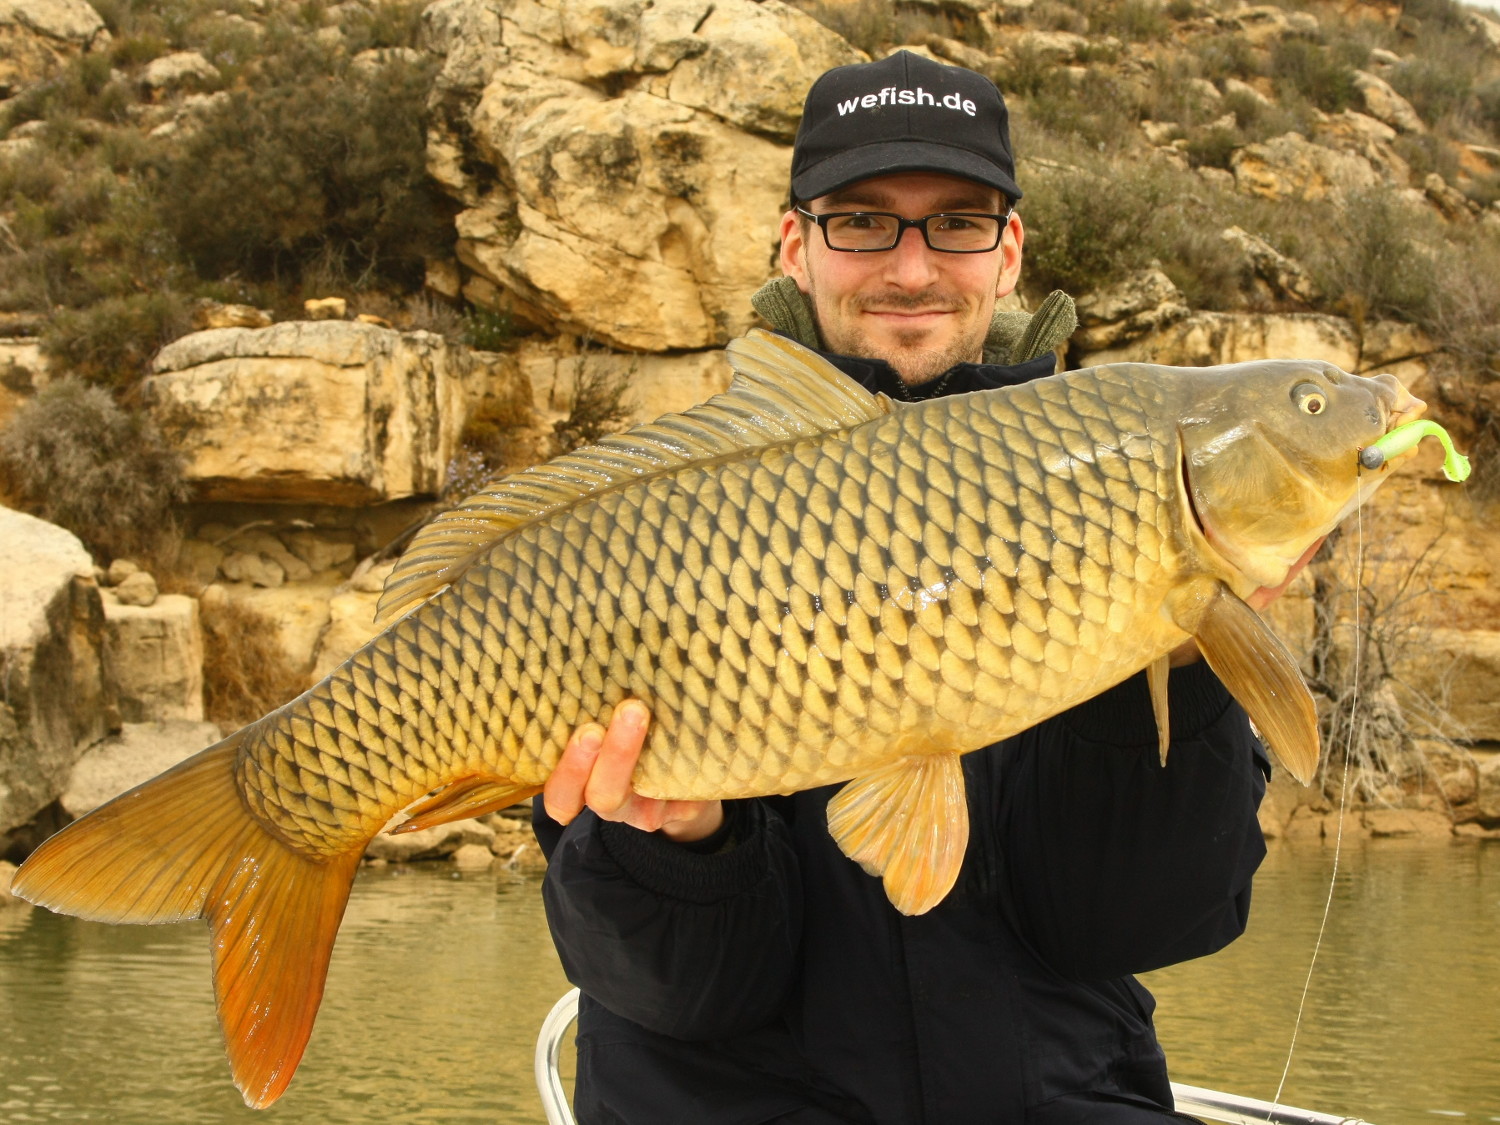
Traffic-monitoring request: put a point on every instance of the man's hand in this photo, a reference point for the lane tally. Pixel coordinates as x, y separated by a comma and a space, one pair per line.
595, 771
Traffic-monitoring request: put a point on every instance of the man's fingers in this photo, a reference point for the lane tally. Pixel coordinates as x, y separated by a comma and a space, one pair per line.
563, 794
609, 791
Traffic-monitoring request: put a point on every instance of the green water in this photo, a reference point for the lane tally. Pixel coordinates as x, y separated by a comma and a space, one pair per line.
439, 982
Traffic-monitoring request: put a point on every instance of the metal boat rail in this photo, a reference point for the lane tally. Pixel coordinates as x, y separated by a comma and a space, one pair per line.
1230, 1109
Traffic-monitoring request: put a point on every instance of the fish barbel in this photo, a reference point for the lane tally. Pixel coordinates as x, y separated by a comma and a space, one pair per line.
806, 584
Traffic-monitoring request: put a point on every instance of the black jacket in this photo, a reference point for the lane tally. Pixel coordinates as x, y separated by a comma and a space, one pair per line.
762, 976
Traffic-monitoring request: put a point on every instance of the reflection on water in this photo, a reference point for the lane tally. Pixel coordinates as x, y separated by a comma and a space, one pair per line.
439, 983
1402, 1020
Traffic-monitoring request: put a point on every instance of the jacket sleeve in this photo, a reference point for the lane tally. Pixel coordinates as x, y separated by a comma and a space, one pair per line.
689, 943
1117, 864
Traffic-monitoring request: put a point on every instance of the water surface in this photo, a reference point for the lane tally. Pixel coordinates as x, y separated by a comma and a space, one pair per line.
439, 982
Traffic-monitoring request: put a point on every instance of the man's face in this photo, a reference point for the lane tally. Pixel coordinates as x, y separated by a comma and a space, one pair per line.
920, 310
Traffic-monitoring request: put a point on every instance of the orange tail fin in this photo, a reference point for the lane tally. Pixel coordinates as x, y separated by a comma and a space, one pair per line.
184, 845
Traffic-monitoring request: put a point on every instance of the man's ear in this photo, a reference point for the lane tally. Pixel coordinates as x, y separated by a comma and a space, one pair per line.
794, 249
1011, 241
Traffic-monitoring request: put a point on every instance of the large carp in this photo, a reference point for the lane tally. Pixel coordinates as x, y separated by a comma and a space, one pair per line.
806, 584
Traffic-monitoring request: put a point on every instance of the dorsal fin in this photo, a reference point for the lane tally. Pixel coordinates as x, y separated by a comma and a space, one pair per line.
781, 391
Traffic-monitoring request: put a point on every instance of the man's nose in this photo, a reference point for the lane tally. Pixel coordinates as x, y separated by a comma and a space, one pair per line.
912, 264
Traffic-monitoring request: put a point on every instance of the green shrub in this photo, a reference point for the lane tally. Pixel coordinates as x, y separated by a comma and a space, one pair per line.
1381, 256
1213, 147
1315, 72
1085, 226
486, 330
315, 166
111, 342
1438, 87
1136, 21
75, 458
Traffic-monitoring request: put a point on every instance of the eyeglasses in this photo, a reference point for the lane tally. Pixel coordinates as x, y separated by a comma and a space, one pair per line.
951, 232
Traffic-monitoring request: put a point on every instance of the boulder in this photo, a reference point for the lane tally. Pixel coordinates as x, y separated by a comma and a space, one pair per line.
7, 873
1208, 338
1489, 790
351, 625
331, 412
138, 589
472, 857
1451, 203
215, 314
1457, 669
1384, 104
155, 654
430, 843
1365, 137
635, 221
655, 385
299, 613
1263, 24
1143, 302
138, 753
37, 37
178, 71
641, 219
58, 697
1388, 823
1283, 278
1292, 167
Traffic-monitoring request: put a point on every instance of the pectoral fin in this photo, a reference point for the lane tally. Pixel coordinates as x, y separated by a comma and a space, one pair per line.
1156, 680
464, 799
908, 823
1259, 672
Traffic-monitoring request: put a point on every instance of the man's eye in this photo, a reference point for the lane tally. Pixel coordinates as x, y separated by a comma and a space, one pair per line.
955, 222
861, 222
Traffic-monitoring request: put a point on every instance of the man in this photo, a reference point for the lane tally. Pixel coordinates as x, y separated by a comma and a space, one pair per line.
737, 968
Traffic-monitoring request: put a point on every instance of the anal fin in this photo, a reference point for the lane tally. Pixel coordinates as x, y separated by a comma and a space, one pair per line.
1259, 672
907, 822
1156, 681
464, 799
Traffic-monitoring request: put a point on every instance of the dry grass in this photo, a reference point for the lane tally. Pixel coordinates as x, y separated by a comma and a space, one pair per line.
246, 672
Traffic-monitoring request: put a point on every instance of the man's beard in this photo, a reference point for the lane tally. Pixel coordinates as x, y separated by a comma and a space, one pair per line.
912, 361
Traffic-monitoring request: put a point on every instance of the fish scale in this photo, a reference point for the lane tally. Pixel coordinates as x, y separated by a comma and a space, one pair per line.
981, 533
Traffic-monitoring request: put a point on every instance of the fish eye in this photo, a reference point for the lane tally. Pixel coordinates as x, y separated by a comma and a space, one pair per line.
1309, 398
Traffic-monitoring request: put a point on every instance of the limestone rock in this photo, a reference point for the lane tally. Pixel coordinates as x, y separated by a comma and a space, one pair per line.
656, 385
637, 221
1054, 46
1283, 277
1451, 203
1292, 167
57, 698
1263, 24
326, 308
472, 857
1384, 104
1143, 302
121, 569
1457, 668
155, 653
7, 873
214, 314
253, 568
1489, 789
1387, 823
179, 70
37, 37
138, 589
300, 614
1208, 338
138, 753
334, 413
319, 550
430, 843
1364, 136
351, 625
1235, 88
757, 63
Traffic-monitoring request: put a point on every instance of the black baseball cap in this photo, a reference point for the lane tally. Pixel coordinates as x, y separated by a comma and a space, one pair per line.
904, 113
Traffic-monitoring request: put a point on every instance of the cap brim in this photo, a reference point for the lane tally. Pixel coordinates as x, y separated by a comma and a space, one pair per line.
888, 157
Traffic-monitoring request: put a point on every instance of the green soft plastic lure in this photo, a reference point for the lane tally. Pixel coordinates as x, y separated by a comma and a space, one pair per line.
1404, 438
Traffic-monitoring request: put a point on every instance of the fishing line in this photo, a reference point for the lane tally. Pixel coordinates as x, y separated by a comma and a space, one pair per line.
1338, 838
